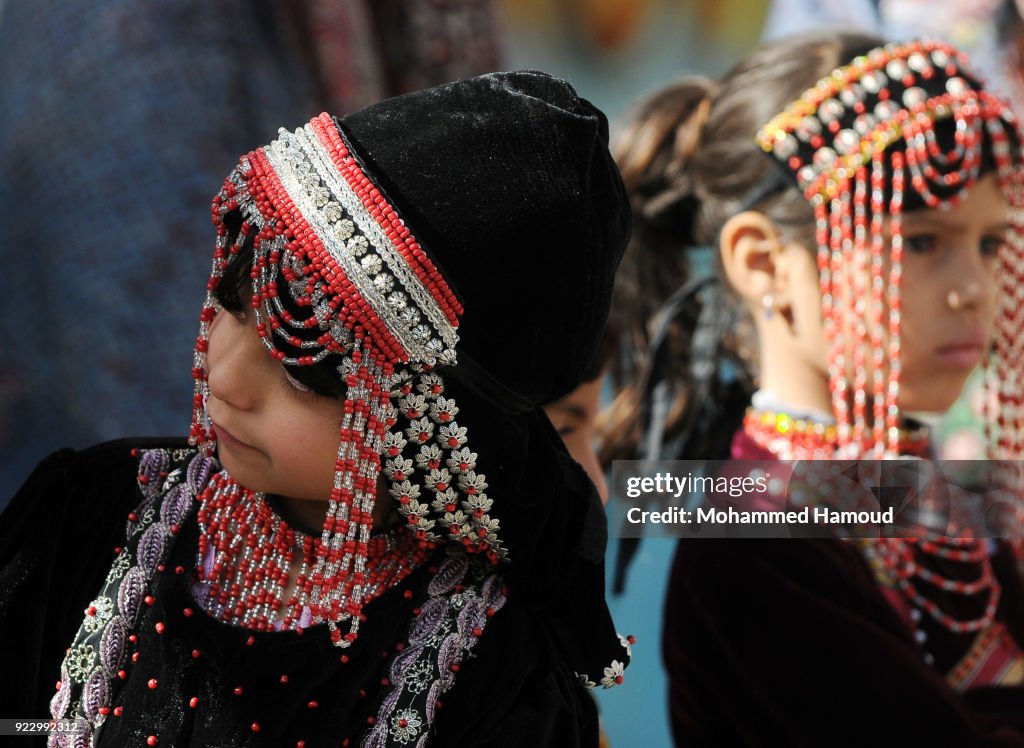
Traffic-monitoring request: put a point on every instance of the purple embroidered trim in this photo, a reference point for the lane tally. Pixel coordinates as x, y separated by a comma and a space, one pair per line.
448, 627
168, 483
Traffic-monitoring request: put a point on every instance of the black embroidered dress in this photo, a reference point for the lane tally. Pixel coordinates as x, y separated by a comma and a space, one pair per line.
188, 680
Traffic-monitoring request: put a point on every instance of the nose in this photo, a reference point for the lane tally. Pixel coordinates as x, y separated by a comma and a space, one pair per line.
233, 361
971, 281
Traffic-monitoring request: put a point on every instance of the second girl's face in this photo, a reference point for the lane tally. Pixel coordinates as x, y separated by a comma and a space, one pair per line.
949, 297
273, 435
950, 294
573, 416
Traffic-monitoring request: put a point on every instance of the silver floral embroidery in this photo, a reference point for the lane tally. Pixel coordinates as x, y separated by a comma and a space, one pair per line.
613, 674
462, 460
358, 246
419, 677
406, 725
79, 661
461, 507
98, 613
429, 457
99, 645
624, 641
332, 212
425, 670
119, 567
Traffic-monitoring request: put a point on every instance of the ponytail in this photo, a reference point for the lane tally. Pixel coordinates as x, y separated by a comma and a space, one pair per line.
666, 321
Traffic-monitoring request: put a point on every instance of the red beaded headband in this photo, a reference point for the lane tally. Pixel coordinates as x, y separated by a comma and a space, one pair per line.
836, 142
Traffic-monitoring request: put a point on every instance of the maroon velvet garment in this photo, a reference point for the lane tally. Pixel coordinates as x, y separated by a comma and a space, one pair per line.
791, 642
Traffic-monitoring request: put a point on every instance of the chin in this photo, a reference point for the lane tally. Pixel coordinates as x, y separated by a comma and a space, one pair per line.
937, 398
238, 471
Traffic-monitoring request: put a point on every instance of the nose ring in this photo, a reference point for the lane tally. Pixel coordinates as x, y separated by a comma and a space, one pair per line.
957, 299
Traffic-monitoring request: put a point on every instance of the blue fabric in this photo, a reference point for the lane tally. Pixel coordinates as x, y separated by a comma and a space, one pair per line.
118, 121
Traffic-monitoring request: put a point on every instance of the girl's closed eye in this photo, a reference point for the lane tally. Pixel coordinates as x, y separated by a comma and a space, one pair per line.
295, 384
568, 430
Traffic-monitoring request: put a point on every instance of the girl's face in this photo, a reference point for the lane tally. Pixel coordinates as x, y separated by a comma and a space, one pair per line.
949, 297
273, 435
573, 416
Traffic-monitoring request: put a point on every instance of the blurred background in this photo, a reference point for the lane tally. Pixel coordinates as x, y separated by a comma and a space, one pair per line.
120, 118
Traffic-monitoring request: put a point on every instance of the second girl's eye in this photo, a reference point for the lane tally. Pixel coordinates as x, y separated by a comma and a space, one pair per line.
567, 430
990, 245
921, 243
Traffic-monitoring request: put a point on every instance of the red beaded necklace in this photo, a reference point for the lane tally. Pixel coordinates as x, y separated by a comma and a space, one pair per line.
262, 574
895, 559
790, 438
896, 556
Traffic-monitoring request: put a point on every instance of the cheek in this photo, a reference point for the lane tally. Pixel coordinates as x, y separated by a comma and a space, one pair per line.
990, 296
305, 453
808, 325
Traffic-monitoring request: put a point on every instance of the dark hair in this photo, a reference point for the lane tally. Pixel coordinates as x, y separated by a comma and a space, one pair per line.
690, 161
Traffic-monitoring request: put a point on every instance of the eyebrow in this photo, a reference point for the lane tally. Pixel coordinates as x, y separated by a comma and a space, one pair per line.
918, 219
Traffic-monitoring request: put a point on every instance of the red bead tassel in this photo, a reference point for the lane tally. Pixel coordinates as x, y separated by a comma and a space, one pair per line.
859, 256
878, 374
892, 413
835, 330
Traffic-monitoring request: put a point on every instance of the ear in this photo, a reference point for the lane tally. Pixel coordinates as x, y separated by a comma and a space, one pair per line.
751, 251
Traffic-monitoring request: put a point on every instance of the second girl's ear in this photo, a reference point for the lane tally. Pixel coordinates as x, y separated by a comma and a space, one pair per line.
752, 250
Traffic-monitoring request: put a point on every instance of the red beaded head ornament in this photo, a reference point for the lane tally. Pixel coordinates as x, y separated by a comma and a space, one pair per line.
336, 272
852, 143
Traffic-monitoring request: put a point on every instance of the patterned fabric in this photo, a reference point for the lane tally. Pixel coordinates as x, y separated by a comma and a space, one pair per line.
993, 660
169, 482
449, 624
992, 657
463, 596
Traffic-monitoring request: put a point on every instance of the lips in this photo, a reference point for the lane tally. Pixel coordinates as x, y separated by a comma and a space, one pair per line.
965, 352
226, 437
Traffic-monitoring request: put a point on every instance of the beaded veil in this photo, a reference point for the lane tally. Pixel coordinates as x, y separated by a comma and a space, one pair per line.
855, 143
337, 272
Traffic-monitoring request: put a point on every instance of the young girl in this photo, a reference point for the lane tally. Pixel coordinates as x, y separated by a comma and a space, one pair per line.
864, 203
373, 535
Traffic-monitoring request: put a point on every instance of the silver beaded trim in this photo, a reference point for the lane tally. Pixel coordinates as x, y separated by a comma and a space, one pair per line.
358, 244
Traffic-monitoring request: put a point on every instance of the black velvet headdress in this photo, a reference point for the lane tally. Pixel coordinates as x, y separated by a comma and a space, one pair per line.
450, 253
508, 182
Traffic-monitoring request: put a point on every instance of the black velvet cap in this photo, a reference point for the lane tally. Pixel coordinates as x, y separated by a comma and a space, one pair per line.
507, 181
